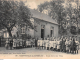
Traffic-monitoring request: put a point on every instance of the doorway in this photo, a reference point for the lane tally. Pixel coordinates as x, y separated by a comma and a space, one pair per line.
42, 31
51, 33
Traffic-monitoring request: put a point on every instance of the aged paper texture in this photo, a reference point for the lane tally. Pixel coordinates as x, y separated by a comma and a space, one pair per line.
39, 29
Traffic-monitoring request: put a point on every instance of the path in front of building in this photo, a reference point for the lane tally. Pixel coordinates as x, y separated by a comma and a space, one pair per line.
30, 50
33, 51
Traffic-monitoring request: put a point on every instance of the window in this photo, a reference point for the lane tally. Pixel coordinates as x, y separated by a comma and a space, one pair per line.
42, 26
23, 30
52, 32
6, 35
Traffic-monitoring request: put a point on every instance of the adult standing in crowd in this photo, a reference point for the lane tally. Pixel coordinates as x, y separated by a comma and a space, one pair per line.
67, 45
77, 45
7, 44
61, 44
41, 44
47, 44
11, 43
31, 40
70, 40
58, 44
72, 45
55, 45
36, 42
64, 46
44, 44
51, 45
14, 43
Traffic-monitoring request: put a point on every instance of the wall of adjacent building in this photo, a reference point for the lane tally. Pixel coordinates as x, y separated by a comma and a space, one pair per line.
30, 32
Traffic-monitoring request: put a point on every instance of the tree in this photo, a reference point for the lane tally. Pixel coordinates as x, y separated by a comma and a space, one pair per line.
65, 14
74, 16
73, 30
13, 12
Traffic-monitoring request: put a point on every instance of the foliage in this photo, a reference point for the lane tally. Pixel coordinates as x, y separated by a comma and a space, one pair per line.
73, 30
13, 12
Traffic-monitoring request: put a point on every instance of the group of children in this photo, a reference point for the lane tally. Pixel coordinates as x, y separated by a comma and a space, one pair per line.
19, 43
63, 44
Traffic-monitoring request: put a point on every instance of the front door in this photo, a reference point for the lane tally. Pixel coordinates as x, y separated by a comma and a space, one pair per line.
42, 33
51, 32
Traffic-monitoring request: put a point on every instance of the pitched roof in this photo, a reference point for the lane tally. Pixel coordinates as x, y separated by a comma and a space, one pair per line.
42, 16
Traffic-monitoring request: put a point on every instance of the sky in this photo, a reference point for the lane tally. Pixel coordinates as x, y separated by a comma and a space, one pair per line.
34, 3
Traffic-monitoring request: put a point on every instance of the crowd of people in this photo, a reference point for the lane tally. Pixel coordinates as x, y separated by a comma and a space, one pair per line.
9, 44
60, 44
19, 43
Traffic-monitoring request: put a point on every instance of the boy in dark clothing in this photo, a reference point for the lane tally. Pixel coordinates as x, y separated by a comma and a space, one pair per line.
11, 44
36, 43
61, 42
73, 44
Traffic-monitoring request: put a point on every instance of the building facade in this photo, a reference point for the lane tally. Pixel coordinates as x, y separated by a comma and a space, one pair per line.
44, 25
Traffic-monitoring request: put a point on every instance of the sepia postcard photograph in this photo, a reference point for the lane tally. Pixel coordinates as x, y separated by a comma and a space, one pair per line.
39, 29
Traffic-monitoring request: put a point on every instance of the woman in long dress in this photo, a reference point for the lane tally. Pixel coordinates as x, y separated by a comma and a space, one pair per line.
73, 44
14, 43
70, 40
47, 44
77, 46
58, 44
50, 45
55, 45
67, 45
7, 44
